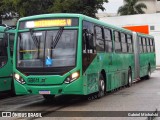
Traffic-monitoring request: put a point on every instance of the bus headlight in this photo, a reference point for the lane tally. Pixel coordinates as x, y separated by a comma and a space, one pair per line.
72, 77
18, 78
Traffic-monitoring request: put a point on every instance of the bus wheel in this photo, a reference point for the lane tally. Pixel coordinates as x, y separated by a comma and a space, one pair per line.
149, 73
129, 78
101, 87
49, 97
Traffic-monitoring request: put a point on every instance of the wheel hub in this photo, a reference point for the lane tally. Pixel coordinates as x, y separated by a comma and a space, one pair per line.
102, 85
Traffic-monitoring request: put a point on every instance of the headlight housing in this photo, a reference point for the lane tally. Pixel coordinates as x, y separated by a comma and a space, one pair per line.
72, 77
18, 78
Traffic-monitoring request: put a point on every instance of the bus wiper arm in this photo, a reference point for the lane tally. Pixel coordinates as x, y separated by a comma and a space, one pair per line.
57, 37
36, 42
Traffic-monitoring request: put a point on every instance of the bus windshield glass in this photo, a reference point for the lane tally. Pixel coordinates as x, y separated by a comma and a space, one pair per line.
35, 48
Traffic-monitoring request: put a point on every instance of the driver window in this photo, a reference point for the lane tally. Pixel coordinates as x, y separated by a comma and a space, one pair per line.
88, 45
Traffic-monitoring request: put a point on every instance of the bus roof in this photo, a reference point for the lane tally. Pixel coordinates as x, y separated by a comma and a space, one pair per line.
106, 24
83, 17
51, 15
73, 15
145, 35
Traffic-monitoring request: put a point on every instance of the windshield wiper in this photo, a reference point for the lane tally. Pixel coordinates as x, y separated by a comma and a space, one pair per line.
56, 39
35, 40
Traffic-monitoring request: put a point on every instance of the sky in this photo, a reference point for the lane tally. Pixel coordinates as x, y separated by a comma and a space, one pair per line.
112, 6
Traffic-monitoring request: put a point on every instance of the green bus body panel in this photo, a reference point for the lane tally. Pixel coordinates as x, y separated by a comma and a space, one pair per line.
6, 71
54, 89
115, 65
146, 59
116, 68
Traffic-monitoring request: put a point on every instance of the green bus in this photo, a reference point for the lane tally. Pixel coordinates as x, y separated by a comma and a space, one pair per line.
6, 58
74, 54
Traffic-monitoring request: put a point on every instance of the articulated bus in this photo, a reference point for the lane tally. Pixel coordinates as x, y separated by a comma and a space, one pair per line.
6, 58
74, 54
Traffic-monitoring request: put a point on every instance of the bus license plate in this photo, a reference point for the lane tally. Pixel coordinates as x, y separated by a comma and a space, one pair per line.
46, 92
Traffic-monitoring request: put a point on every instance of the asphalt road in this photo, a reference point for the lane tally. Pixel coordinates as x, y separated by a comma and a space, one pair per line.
141, 96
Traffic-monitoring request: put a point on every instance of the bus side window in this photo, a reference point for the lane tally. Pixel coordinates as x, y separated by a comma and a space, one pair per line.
140, 45
148, 45
108, 40
99, 39
129, 44
88, 45
124, 44
144, 44
88, 42
118, 47
153, 45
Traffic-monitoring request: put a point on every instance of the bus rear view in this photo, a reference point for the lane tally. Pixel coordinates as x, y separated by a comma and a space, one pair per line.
46, 56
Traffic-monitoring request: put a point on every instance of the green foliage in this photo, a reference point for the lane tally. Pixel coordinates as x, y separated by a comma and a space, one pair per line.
4, 9
132, 7
25, 7
34, 7
86, 7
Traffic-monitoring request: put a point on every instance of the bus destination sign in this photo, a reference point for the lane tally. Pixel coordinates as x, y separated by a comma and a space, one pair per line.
49, 23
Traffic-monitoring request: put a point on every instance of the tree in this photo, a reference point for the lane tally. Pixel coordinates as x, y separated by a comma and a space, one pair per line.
86, 7
25, 8
132, 7
6, 9
35, 7
31, 7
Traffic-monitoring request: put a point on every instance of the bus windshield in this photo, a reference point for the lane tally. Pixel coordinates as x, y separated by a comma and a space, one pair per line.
35, 49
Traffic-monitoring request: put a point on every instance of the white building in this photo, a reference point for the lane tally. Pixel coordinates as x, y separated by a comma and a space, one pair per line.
10, 22
148, 23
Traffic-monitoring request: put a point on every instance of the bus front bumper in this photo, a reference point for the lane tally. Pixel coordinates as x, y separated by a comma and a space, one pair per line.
72, 88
